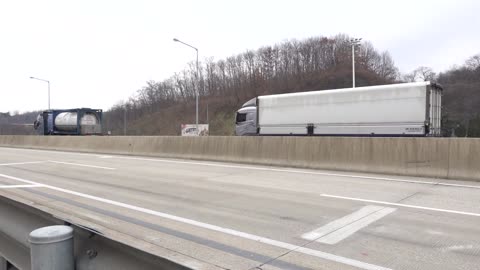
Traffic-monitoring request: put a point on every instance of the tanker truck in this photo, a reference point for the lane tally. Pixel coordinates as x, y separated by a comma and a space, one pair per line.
81, 121
406, 109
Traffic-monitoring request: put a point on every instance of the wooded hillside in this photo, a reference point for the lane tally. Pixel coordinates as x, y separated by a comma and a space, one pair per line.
317, 63
461, 99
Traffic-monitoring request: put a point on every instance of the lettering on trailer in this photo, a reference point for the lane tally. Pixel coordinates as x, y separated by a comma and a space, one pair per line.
414, 129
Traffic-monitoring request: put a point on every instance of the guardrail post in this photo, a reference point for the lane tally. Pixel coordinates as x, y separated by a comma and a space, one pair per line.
3, 263
51, 248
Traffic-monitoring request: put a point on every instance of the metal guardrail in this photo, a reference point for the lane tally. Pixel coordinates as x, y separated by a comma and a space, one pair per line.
91, 250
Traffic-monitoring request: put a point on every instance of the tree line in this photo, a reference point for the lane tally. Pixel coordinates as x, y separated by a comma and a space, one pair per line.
17, 123
160, 107
291, 66
461, 99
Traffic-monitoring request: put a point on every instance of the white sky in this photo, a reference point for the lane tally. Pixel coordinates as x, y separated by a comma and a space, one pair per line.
99, 52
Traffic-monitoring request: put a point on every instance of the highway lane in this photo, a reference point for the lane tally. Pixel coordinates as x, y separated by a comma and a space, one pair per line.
234, 216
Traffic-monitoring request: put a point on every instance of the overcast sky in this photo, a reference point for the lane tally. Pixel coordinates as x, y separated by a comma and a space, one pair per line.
99, 52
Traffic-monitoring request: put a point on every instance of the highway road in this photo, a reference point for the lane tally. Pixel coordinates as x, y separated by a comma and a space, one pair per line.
211, 215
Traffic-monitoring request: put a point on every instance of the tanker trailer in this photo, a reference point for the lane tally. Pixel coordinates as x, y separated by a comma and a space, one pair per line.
83, 121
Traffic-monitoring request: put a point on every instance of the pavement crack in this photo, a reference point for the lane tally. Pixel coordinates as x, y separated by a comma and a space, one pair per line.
431, 186
409, 196
282, 255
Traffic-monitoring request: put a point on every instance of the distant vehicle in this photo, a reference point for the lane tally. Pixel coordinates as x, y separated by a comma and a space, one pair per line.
82, 121
191, 130
407, 109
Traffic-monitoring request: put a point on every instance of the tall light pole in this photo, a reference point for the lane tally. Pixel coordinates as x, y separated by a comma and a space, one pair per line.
125, 120
198, 86
354, 42
48, 88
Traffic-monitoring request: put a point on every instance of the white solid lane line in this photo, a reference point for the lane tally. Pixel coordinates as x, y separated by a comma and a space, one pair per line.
342, 228
20, 186
252, 168
457, 185
58, 162
403, 205
298, 171
82, 165
21, 163
256, 238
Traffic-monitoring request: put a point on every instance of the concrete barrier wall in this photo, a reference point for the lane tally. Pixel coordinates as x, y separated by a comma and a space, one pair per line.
453, 158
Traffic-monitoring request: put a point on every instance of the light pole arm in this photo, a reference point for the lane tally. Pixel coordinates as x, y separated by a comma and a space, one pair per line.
47, 81
40, 79
177, 40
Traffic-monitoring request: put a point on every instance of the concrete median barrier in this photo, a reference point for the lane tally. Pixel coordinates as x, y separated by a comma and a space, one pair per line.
452, 158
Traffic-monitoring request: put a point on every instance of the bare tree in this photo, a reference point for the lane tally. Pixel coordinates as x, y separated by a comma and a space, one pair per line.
420, 74
473, 62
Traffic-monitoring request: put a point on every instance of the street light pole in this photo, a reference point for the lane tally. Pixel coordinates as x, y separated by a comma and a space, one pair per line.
48, 95
125, 121
353, 65
48, 88
198, 79
354, 42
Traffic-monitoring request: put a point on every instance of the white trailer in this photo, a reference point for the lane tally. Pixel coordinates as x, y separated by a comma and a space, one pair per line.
408, 109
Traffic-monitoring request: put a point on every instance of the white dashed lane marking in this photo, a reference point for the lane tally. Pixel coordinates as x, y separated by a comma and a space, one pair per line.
344, 227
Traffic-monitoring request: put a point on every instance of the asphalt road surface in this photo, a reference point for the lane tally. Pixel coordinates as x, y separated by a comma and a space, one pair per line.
211, 215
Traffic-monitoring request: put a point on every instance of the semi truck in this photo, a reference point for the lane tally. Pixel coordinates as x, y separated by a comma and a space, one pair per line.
406, 109
81, 121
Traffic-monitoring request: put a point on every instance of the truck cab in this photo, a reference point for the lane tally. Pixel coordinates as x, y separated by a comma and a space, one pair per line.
246, 119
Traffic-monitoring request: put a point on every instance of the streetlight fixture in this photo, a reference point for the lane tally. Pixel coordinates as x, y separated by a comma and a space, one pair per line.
354, 42
48, 88
198, 79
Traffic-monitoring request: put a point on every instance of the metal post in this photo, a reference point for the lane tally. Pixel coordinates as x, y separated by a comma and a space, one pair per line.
353, 64
196, 96
48, 95
47, 81
354, 42
125, 121
51, 248
198, 86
